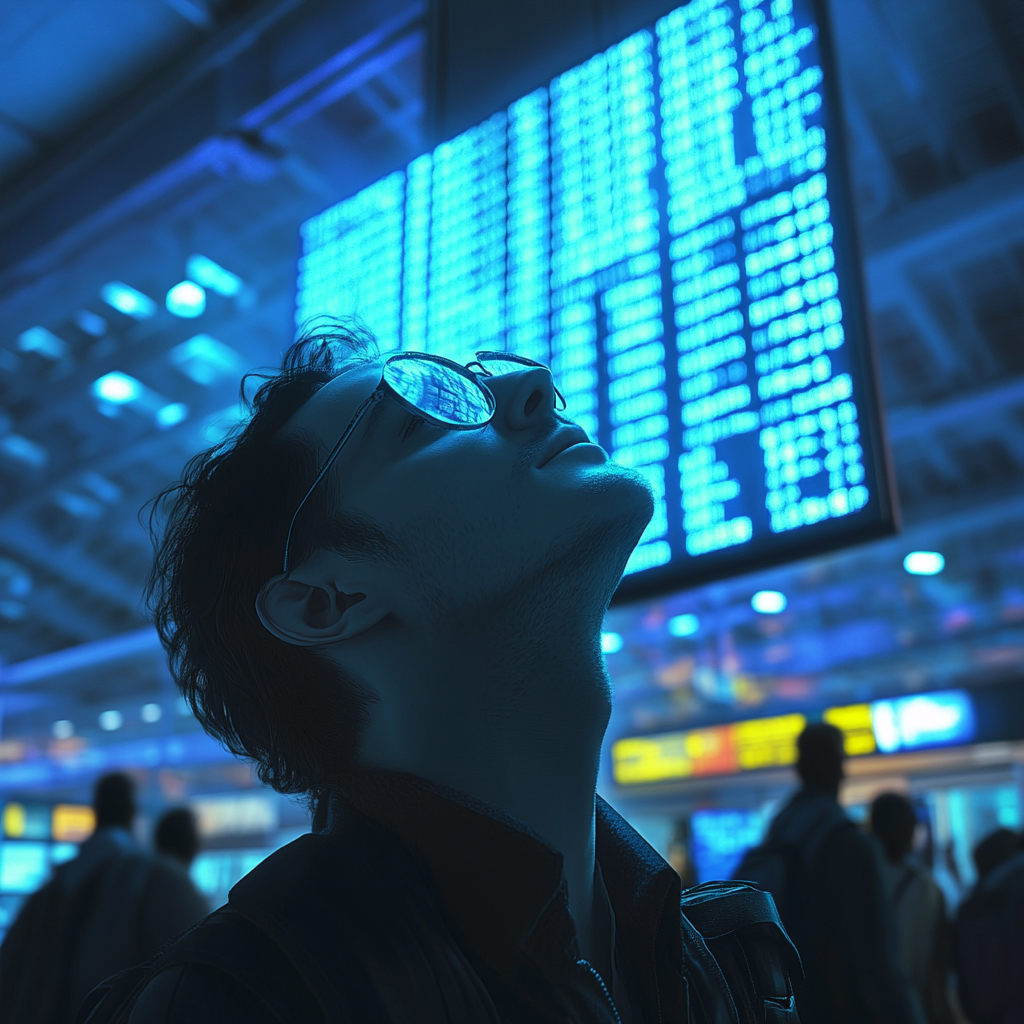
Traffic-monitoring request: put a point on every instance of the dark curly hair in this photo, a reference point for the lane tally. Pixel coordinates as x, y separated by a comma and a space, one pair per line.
219, 535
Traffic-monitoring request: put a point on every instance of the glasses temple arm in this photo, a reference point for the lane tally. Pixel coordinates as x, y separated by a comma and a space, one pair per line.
353, 423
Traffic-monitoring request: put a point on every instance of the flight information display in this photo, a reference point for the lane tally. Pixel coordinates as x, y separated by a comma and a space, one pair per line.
668, 227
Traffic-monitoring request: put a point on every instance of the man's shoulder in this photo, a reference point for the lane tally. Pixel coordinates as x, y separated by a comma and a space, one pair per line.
221, 969
308, 928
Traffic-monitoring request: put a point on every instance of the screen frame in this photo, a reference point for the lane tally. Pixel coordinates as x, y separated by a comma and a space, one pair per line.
686, 572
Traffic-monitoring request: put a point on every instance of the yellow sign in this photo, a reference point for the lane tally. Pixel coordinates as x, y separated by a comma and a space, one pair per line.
854, 722
724, 749
14, 820
73, 823
768, 742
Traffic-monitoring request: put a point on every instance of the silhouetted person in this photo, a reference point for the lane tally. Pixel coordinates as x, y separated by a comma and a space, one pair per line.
828, 880
387, 591
995, 849
177, 835
111, 907
990, 933
924, 937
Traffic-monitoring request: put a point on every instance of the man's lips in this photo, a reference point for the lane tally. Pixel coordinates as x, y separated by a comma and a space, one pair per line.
561, 440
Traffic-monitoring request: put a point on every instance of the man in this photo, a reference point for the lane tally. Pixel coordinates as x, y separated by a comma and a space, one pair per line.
388, 593
827, 878
924, 939
990, 933
104, 911
177, 836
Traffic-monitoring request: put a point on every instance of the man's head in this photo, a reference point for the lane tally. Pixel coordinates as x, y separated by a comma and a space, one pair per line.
176, 835
996, 848
114, 801
820, 756
894, 822
413, 528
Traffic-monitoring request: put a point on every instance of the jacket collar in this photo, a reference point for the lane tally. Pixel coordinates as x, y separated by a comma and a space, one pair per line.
501, 884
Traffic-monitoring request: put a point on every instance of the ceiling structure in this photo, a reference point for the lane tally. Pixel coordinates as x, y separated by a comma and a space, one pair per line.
281, 109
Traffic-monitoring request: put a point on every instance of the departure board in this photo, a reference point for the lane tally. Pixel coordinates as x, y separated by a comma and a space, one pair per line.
668, 226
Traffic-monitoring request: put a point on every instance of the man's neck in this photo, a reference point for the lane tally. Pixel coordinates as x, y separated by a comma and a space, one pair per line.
515, 721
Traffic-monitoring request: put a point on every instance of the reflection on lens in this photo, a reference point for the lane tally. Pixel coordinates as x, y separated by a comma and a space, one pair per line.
439, 391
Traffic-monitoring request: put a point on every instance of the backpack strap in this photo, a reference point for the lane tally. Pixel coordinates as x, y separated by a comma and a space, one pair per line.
742, 930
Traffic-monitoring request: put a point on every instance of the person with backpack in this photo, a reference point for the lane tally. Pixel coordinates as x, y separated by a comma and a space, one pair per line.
828, 881
990, 934
109, 908
924, 938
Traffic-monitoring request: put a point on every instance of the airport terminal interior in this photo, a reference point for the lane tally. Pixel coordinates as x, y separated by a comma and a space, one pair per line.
773, 253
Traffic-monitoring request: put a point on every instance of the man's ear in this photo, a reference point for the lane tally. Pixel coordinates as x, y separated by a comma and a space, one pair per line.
313, 605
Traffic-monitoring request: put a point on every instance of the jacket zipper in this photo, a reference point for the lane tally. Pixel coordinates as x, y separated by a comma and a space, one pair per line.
604, 988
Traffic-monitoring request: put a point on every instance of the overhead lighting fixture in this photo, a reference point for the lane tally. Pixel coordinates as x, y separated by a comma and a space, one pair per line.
924, 563
128, 300
186, 299
151, 713
611, 643
22, 450
683, 625
117, 388
205, 359
63, 729
110, 721
204, 271
171, 415
91, 323
44, 343
768, 602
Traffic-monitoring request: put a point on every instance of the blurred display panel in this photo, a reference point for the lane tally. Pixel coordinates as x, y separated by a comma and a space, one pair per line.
906, 723
23, 866
666, 225
720, 837
73, 823
236, 814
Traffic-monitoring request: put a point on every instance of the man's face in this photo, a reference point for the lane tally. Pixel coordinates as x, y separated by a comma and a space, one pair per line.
477, 516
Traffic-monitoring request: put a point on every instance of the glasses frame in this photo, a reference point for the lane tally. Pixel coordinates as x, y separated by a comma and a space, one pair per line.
385, 390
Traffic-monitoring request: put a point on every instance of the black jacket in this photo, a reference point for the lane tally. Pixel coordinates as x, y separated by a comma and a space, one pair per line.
417, 905
841, 918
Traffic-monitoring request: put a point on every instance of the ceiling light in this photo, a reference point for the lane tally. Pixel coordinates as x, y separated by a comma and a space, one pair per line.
186, 299
611, 643
171, 415
768, 602
683, 625
91, 323
63, 730
206, 359
111, 720
151, 713
204, 271
21, 449
43, 342
117, 388
924, 563
128, 300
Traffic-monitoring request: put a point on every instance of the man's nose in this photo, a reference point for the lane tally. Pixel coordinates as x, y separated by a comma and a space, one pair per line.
525, 399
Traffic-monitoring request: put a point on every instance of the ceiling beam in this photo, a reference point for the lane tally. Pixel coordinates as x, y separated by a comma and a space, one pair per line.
981, 409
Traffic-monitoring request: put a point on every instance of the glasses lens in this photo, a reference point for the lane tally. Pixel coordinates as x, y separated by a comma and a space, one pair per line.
440, 392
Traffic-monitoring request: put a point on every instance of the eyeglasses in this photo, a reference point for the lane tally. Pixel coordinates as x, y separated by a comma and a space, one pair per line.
436, 389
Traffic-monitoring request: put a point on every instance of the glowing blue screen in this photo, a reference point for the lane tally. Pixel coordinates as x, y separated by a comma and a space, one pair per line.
720, 837
658, 226
923, 720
